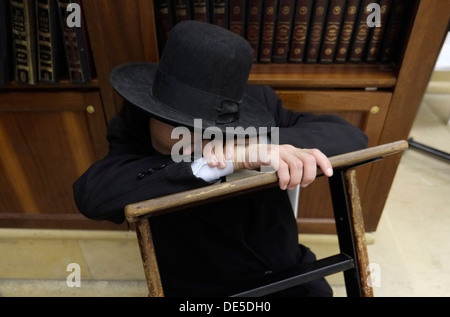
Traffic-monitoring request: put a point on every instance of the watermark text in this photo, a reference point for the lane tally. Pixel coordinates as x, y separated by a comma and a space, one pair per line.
74, 278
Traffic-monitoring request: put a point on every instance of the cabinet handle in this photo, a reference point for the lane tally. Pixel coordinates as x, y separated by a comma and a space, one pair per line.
90, 109
374, 110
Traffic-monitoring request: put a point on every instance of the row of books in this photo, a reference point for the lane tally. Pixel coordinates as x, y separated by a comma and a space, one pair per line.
299, 31
44, 41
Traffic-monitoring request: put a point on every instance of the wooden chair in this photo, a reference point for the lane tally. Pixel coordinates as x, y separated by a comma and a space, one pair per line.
352, 260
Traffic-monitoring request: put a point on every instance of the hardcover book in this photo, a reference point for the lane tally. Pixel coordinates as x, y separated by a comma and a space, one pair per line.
269, 19
219, 14
201, 11
348, 26
5, 44
50, 49
395, 28
283, 31
76, 45
300, 31
164, 20
24, 40
254, 11
362, 31
182, 9
377, 34
237, 15
333, 24
316, 30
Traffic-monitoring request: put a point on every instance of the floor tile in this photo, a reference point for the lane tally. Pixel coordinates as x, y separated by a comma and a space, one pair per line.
39, 258
59, 288
113, 259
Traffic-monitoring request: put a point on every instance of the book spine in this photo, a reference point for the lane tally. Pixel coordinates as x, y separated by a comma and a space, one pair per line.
182, 10
348, 27
24, 41
201, 11
254, 25
269, 19
237, 17
220, 12
283, 31
5, 44
377, 34
336, 11
49, 42
87, 57
362, 31
164, 19
300, 31
394, 30
76, 46
316, 30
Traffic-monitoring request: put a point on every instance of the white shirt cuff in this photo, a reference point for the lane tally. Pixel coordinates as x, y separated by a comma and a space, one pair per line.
201, 169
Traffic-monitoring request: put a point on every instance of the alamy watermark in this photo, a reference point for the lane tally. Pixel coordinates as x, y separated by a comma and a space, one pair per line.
374, 278
74, 278
374, 18
192, 145
73, 18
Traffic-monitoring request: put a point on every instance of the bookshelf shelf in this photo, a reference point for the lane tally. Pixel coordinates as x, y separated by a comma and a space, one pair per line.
61, 85
50, 133
324, 76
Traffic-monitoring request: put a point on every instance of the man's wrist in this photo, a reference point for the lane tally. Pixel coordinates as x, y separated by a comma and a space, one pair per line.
239, 157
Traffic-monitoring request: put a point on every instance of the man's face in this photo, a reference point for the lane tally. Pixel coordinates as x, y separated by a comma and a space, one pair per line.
160, 133
163, 141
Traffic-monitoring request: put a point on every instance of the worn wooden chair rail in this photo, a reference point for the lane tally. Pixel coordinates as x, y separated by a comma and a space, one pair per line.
352, 259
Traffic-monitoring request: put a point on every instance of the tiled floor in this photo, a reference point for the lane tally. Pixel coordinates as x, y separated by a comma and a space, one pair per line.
410, 250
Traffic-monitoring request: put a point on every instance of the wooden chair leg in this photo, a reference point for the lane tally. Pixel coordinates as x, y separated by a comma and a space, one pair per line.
148, 255
359, 232
350, 230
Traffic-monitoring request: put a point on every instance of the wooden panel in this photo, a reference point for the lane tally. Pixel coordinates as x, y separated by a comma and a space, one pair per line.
364, 109
121, 31
48, 140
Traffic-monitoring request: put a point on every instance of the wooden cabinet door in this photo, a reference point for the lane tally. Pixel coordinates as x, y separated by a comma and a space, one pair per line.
365, 109
47, 139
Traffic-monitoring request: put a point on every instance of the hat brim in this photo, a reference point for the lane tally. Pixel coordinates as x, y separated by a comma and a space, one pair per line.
134, 81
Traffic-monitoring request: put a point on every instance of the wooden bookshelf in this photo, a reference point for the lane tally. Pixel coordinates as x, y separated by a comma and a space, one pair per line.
51, 133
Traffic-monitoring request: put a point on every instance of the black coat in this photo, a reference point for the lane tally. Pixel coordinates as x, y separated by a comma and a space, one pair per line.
200, 250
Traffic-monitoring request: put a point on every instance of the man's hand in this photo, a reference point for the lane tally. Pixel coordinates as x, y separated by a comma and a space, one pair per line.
294, 166
299, 166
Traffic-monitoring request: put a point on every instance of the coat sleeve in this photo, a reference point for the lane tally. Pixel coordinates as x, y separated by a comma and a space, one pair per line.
328, 133
126, 176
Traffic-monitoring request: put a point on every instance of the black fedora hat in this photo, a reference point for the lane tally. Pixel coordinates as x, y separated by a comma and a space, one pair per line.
202, 74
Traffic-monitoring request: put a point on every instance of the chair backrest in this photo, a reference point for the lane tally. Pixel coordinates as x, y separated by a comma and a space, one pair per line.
348, 214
